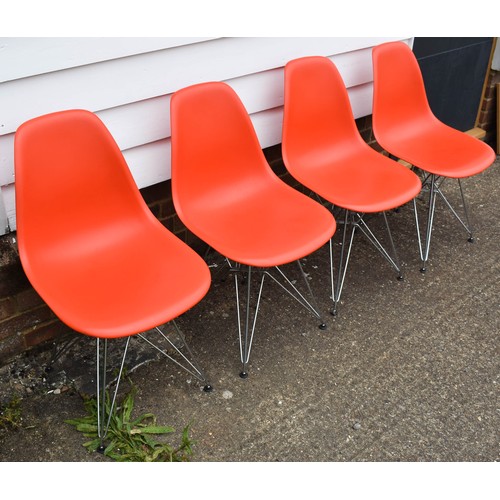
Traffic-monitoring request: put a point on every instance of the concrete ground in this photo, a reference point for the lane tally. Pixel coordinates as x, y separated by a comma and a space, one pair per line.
407, 372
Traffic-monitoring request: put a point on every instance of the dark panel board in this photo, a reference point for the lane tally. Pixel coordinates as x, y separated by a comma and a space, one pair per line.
454, 70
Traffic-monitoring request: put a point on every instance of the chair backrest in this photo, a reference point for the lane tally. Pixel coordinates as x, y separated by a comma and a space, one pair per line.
399, 97
318, 123
73, 186
216, 154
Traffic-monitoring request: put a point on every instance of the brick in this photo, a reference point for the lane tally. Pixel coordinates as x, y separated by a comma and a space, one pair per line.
155, 209
156, 192
376, 146
8, 308
486, 119
167, 208
181, 234
168, 223
12, 280
495, 77
366, 135
28, 299
178, 225
364, 123
24, 321
489, 105
273, 153
10, 348
45, 332
195, 243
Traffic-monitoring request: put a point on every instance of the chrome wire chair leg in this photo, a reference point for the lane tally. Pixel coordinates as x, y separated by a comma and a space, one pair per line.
101, 376
394, 262
435, 183
297, 295
190, 366
357, 221
247, 330
313, 308
397, 263
211, 257
102, 431
246, 338
332, 275
466, 225
466, 212
343, 263
424, 252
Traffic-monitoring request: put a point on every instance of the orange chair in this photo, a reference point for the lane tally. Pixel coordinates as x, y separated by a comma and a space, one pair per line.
89, 244
225, 192
323, 150
405, 126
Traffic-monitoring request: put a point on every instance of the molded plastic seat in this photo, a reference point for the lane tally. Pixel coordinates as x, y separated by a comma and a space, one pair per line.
323, 149
88, 243
404, 125
224, 190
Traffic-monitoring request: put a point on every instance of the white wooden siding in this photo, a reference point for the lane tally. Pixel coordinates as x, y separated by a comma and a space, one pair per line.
128, 82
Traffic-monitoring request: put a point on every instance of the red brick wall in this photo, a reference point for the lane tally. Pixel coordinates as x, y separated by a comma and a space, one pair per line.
487, 117
25, 320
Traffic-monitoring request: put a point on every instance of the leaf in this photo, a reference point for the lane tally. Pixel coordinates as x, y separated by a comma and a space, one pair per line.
128, 405
130, 440
92, 445
153, 430
91, 428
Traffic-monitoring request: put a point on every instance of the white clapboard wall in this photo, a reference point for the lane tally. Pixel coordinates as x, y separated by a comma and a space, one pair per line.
128, 82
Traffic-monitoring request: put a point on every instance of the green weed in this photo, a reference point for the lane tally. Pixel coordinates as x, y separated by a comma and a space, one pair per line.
10, 415
131, 440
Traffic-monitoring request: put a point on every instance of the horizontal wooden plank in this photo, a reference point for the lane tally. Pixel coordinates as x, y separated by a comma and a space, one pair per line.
25, 57
150, 163
122, 81
133, 99
149, 122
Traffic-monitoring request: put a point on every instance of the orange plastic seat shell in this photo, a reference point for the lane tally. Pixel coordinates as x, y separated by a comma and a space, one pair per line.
88, 243
404, 124
323, 149
225, 191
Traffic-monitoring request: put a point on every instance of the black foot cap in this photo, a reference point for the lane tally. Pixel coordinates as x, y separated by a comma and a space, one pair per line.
322, 326
101, 449
48, 369
333, 312
208, 388
243, 375
423, 270
400, 277
471, 239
